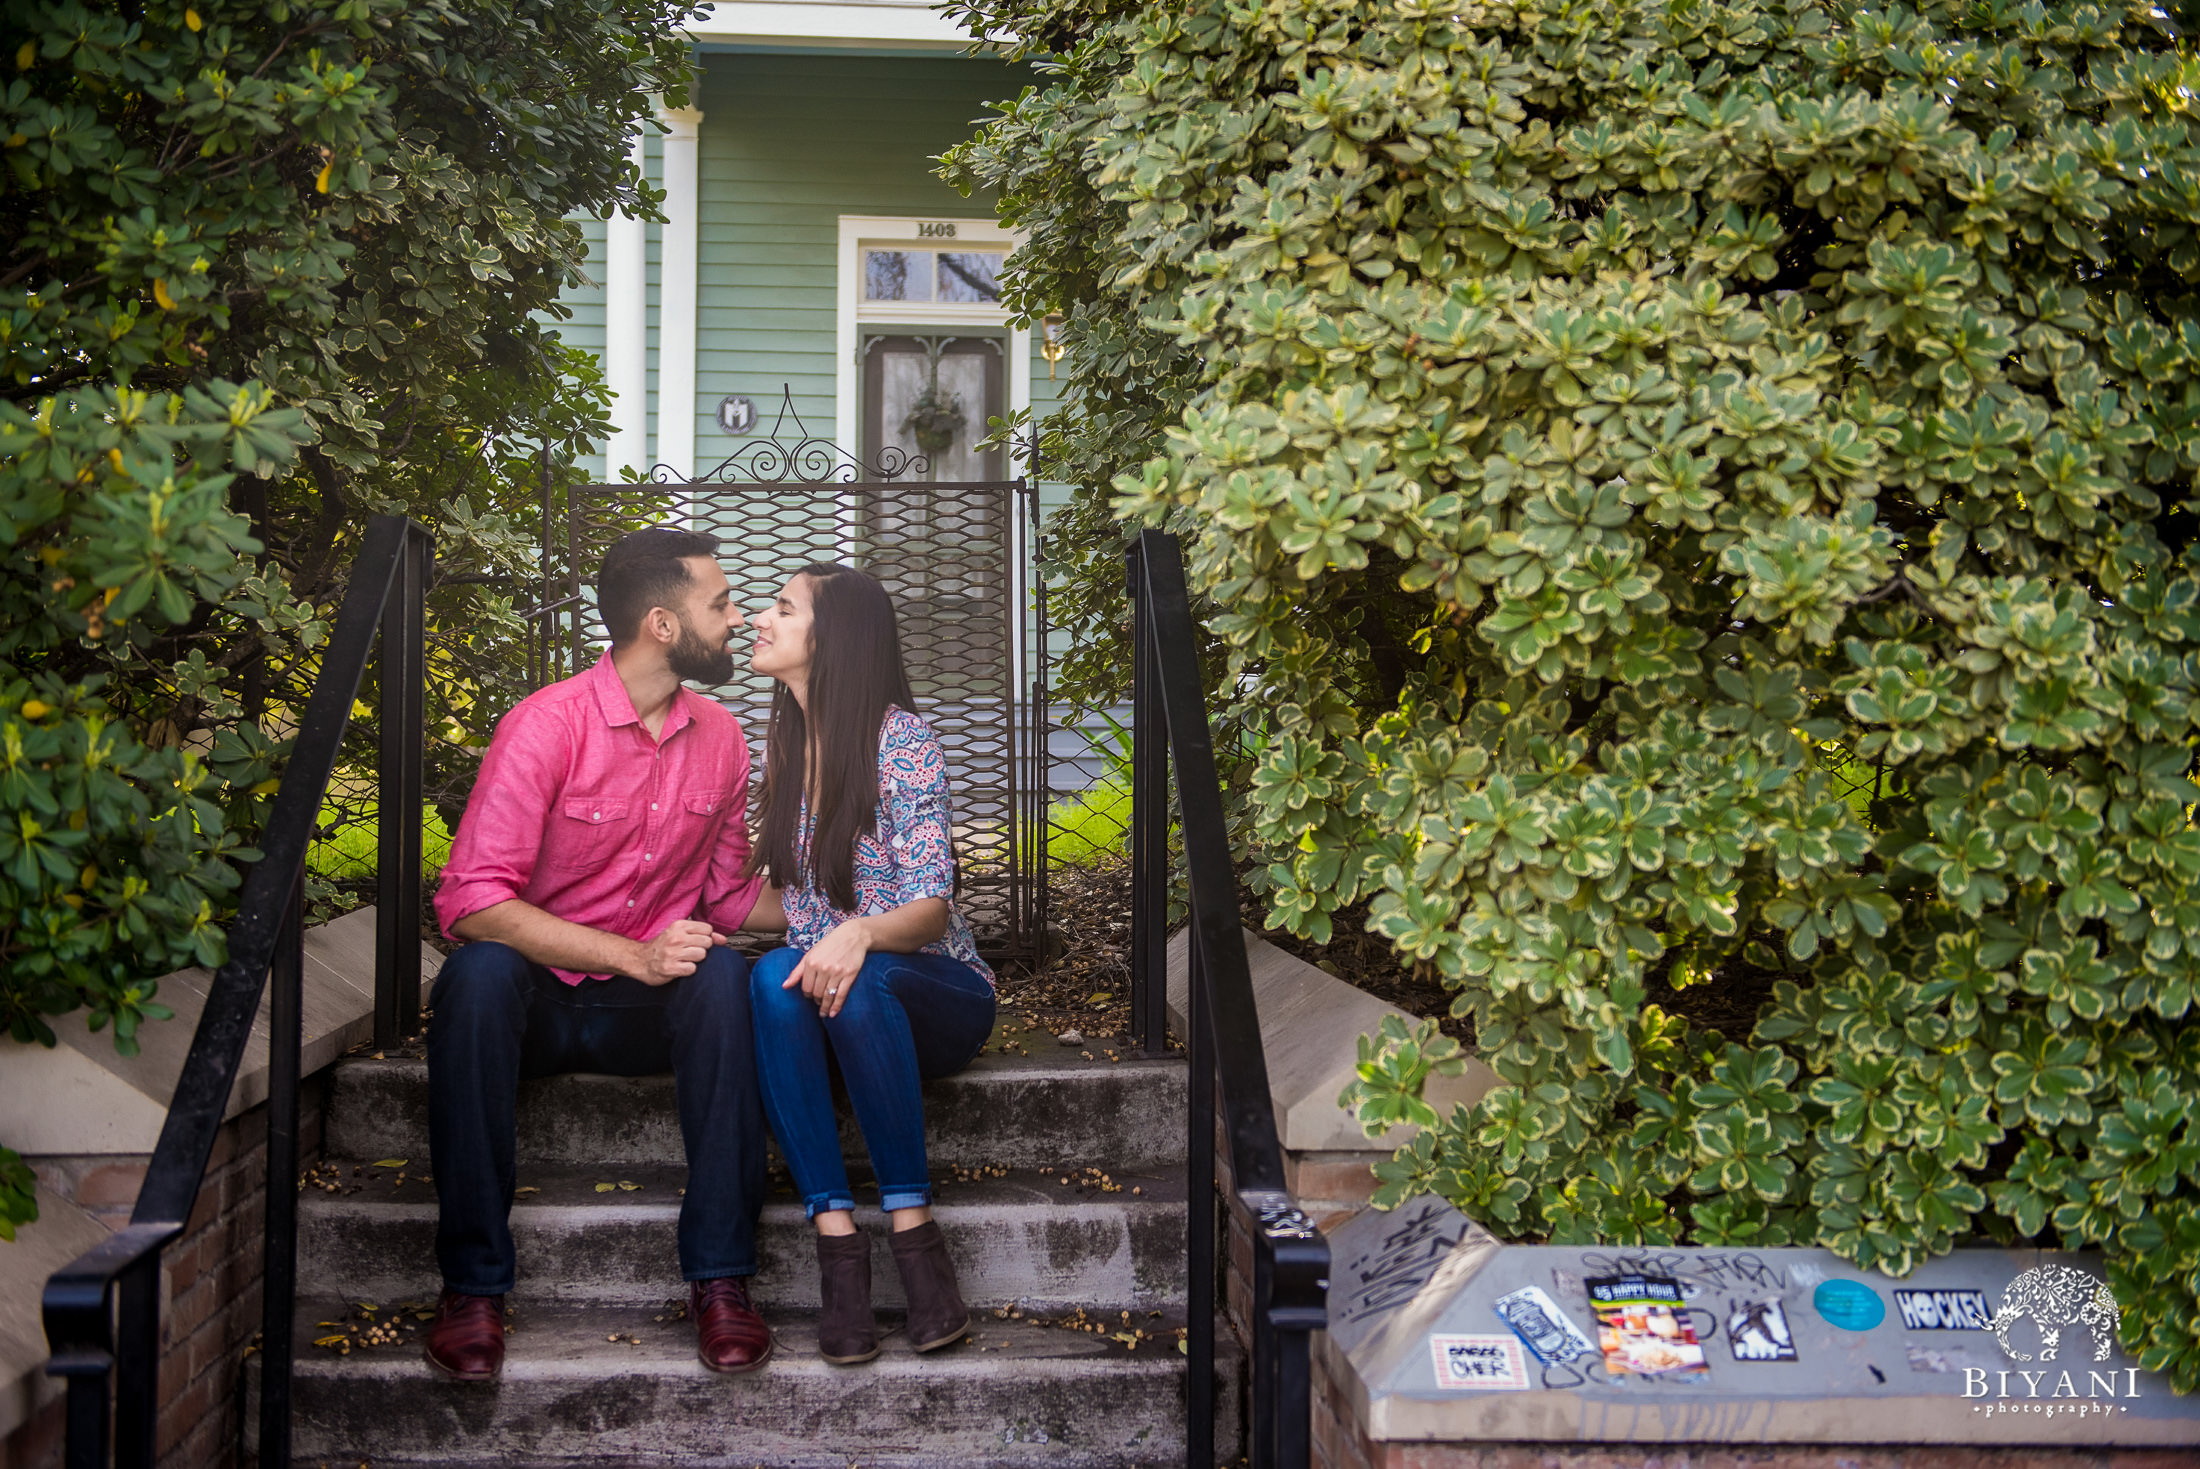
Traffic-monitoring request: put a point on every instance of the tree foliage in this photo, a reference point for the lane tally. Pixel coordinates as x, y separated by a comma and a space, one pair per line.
1688, 485
268, 269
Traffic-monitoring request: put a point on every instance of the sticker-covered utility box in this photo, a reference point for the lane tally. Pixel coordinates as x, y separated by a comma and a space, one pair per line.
1439, 1332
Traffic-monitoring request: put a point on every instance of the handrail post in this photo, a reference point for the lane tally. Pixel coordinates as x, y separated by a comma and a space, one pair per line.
87, 1419
279, 1288
1200, 1224
1149, 826
1229, 1069
403, 660
137, 1364
120, 1276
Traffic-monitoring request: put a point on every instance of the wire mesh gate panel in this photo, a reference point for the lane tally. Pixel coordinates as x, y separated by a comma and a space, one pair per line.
947, 555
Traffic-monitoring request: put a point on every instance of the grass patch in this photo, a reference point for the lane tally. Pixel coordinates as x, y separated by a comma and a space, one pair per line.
352, 847
1092, 827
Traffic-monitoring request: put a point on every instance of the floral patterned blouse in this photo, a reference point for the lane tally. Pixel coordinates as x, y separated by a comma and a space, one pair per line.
909, 858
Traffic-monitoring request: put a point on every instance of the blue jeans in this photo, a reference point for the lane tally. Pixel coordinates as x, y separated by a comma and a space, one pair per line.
908, 1019
500, 1019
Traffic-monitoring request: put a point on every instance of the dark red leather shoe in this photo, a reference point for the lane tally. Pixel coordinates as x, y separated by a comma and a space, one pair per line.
466, 1343
729, 1335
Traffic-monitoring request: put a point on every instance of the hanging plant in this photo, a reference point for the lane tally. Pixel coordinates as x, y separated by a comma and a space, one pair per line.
934, 419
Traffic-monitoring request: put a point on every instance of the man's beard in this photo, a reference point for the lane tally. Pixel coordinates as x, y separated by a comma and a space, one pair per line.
695, 661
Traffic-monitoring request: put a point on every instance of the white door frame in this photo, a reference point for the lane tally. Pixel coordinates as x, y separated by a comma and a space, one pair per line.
858, 230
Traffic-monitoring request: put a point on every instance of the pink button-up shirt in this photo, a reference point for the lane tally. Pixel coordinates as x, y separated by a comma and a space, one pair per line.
580, 813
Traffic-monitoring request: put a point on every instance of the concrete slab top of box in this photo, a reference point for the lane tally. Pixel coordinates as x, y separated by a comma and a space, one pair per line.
1794, 1345
83, 1097
1310, 1027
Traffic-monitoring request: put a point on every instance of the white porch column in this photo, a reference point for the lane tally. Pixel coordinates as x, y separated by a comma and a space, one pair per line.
676, 292
626, 337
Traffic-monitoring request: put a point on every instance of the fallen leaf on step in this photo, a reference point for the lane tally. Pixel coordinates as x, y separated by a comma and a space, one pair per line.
628, 1187
604, 1188
529, 1189
392, 1163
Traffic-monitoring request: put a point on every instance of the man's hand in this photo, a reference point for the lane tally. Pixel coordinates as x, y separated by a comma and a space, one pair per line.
675, 953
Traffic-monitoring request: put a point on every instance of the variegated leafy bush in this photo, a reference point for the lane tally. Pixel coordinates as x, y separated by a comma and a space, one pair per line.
1685, 488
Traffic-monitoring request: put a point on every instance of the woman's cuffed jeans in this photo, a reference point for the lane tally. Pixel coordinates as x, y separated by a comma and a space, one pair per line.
908, 1019
500, 1020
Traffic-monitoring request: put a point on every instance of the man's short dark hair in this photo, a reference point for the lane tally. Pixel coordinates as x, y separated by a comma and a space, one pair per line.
643, 570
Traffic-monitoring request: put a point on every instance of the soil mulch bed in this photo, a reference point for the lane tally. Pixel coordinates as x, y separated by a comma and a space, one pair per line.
1086, 984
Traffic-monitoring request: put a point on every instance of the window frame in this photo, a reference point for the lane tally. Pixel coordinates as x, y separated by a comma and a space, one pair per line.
857, 316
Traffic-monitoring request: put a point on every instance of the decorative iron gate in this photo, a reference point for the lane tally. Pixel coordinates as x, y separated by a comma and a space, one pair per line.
951, 555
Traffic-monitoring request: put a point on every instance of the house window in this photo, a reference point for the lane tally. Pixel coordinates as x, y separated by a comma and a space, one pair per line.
948, 277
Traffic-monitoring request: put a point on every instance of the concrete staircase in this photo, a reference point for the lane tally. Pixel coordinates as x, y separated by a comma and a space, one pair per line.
1078, 1288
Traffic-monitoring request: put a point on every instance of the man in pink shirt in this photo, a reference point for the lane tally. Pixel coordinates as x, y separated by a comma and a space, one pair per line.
601, 861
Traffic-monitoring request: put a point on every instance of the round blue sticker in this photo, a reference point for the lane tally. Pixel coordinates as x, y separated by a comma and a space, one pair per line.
1849, 1304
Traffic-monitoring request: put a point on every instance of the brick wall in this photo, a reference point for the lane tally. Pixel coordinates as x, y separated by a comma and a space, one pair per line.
210, 1287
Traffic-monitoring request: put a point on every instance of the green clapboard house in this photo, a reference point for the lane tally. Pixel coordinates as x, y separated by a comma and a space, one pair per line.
809, 246
811, 256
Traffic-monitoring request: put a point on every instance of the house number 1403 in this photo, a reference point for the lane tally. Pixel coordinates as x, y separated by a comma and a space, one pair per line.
941, 231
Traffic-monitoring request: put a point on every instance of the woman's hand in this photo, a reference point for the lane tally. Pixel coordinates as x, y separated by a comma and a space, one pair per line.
828, 971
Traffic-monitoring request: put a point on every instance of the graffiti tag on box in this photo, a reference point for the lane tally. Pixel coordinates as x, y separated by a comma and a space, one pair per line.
1400, 1263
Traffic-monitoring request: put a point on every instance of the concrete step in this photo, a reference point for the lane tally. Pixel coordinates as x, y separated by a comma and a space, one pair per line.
1025, 1240
1049, 1109
1014, 1396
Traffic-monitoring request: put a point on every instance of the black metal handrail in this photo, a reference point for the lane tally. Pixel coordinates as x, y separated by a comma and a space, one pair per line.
120, 1278
1228, 1065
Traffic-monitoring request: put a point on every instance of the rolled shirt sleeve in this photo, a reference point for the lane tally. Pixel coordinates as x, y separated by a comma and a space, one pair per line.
500, 835
914, 786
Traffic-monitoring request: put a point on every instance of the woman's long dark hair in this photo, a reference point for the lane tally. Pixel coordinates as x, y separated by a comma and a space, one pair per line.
856, 672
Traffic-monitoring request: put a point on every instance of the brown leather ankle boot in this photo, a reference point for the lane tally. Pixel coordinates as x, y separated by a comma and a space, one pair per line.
937, 1315
847, 1332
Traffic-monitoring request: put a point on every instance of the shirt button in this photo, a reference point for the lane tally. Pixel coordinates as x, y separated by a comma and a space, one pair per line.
629, 902
595, 816
645, 856
652, 805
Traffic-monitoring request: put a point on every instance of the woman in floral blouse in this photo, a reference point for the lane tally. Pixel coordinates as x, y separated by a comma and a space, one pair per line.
879, 967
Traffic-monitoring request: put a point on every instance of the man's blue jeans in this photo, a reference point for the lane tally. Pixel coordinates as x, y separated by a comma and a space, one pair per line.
500, 1019
909, 1018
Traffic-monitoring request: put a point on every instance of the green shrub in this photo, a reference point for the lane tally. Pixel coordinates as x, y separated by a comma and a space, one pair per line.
18, 1194
115, 855
1578, 415
365, 212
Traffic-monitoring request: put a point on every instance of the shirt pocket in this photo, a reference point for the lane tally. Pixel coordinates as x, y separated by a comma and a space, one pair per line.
587, 833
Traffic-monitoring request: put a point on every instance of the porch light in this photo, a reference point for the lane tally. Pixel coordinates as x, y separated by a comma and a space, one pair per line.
1050, 340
